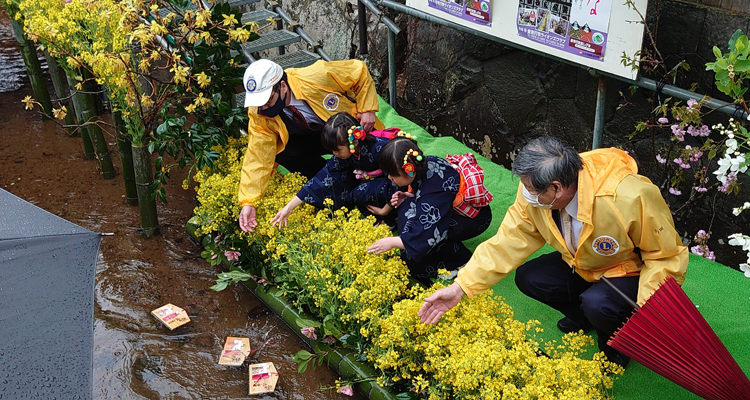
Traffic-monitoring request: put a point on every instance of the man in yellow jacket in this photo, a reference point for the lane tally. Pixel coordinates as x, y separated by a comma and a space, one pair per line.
287, 111
601, 218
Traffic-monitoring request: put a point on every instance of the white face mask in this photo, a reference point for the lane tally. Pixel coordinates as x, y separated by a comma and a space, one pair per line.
533, 199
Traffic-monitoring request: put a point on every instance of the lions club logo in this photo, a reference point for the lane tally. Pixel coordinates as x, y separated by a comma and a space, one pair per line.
331, 102
606, 246
251, 85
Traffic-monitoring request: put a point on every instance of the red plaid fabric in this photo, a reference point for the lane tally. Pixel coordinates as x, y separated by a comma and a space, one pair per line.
472, 195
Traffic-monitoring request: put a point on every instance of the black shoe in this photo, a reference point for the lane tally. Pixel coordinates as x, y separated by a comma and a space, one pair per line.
567, 325
618, 358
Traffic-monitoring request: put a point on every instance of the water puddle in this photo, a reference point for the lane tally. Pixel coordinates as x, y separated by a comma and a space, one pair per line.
10, 58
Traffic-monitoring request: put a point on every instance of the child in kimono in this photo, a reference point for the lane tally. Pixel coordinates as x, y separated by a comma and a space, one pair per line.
352, 177
430, 230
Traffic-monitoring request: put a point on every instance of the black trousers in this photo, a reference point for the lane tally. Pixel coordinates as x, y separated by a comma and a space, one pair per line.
303, 154
551, 281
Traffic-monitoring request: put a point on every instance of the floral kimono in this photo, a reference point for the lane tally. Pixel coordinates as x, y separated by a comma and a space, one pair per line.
429, 229
337, 181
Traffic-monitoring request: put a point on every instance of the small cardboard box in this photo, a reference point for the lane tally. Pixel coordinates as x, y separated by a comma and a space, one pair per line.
263, 378
171, 316
235, 351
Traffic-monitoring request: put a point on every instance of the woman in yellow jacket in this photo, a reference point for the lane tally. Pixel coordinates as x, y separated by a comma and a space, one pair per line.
601, 218
287, 111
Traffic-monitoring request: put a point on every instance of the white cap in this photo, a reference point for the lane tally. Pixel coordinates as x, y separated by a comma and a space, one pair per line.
259, 79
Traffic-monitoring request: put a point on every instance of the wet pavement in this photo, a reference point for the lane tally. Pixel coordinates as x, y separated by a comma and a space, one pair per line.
135, 356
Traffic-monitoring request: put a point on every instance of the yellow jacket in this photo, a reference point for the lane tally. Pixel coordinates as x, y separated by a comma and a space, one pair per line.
620, 211
328, 88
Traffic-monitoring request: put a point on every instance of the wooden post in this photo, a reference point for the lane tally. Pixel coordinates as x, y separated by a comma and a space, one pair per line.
58, 82
88, 145
33, 68
125, 148
144, 180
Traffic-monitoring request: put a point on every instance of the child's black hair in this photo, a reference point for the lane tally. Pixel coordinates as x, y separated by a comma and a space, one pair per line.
336, 131
391, 157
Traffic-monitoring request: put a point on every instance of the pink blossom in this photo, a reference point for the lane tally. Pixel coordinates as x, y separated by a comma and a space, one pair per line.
681, 163
217, 239
700, 189
232, 255
678, 132
347, 390
329, 339
661, 159
704, 131
309, 332
663, 120
675, 191
731, 178
263, 282
213, 257
692, 103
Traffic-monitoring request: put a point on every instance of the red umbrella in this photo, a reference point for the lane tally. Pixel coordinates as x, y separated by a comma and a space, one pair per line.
669, 336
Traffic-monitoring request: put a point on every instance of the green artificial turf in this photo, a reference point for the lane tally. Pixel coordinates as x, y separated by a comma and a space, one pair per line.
721, 294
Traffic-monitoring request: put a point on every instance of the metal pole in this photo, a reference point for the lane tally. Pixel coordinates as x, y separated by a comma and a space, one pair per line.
362, 20
382, 18
599, 115
392, 68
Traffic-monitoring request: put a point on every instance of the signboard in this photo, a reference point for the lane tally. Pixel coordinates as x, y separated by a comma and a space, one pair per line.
593, 33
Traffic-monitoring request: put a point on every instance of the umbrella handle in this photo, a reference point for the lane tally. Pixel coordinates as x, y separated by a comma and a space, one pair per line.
618, 291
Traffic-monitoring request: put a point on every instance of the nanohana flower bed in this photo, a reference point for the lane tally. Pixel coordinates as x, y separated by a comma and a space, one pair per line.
349, 301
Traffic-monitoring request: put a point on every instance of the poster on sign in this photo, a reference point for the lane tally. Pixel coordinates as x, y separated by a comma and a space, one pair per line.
592, 33
476, 11
578, 27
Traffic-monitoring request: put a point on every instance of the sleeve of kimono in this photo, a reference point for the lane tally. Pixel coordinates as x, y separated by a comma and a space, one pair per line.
329, 182
428, 216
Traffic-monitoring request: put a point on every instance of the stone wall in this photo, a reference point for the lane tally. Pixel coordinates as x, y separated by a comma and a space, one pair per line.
495, 98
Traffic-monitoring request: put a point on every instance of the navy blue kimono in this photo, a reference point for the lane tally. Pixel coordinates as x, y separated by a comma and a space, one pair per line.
336, 181
430, 230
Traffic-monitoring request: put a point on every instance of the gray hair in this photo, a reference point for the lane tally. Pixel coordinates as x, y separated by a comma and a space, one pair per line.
548, 159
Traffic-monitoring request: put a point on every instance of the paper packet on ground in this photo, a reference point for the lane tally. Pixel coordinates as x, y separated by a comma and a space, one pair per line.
263, 378
235, 351
171, 315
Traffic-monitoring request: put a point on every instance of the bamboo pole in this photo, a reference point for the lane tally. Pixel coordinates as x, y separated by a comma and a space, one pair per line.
58, 82
88, 114
34, 69
88, 145
144, 180
125, 148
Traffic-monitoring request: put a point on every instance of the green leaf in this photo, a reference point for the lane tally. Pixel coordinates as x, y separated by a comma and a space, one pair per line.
302, 367
717, 52
158, 163
722, 63
734, 38
161, 129
303, 355
219, 286
742, 66
712, 153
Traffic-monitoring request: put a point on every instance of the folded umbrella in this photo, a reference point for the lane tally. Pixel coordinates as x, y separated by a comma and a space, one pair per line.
669, 336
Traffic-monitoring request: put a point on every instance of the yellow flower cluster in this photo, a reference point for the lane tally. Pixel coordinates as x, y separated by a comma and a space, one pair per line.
477, 351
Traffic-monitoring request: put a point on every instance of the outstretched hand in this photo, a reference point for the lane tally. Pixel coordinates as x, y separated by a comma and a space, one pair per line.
282, 217
247, 219
439, 303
